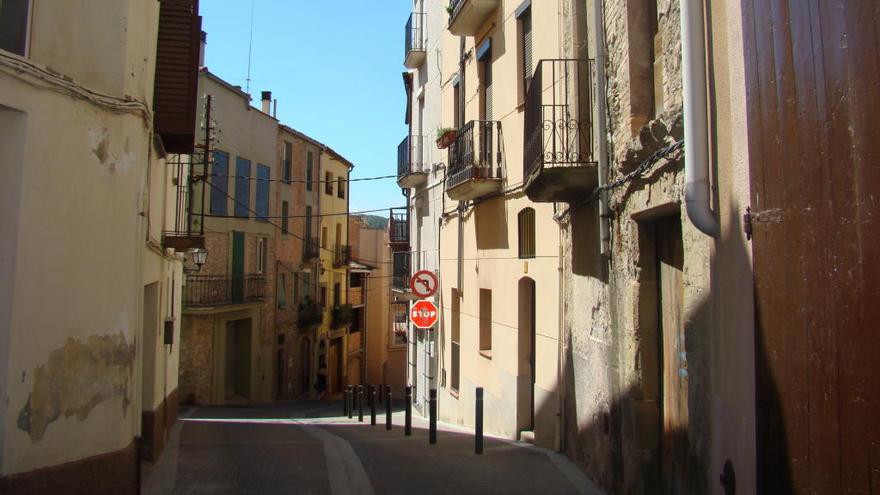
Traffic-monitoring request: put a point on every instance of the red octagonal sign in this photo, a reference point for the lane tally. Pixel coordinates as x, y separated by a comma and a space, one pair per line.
423, 314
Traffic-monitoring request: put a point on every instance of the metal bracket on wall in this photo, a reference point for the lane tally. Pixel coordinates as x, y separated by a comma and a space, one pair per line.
773, 215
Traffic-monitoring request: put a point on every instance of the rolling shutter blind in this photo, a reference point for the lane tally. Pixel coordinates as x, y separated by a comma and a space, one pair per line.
527, 47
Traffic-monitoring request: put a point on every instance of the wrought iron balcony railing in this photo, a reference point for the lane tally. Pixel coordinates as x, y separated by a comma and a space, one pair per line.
558, 158
400, 271
475, 155
341, 256
311, 248
398, 229
219, 290
415, 40
467, 16
410, 162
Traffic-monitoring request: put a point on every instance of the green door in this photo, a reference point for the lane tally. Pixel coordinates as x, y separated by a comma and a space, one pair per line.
237, 267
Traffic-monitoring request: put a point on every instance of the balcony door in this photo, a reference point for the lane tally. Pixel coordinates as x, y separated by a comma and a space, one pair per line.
237, 267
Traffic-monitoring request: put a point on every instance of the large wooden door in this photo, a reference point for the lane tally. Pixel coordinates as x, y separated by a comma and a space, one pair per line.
812, 72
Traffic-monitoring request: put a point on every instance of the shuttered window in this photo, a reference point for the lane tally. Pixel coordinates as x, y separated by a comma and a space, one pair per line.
328, 183
242, 187
262, 188
219, 183
309, 171
340, 188
288, 161
285, 208
527, 233
528, 70
488, 96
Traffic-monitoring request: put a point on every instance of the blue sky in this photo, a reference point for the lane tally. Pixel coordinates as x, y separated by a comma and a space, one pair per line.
335, 68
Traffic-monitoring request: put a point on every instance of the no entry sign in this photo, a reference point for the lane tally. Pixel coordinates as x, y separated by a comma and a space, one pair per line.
423, 283
423, 314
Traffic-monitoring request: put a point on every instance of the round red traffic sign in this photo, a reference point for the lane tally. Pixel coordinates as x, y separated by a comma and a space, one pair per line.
423, 314
423, 283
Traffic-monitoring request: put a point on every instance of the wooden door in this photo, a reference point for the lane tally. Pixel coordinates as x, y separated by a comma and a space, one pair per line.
674, 377
812, 72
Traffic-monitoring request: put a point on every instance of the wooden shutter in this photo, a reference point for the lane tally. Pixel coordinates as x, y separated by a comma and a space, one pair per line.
309, 171
219, 183
242, 187
527, 48
176, 79
285, 208
262, 188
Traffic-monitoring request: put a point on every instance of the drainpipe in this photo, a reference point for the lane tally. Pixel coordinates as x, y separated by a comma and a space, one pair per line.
696, 130
601, 127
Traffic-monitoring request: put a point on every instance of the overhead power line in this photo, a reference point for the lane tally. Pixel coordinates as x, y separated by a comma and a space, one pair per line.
305, 181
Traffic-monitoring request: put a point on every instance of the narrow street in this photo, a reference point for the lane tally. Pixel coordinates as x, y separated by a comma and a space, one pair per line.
309, 447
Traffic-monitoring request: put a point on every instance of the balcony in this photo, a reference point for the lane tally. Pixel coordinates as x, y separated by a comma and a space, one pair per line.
400, 272
558, 160
415, 41
468, 16
341, 256
341, 316
475, 164
410, 167
220, 290
309, 314
398, 229
311, 249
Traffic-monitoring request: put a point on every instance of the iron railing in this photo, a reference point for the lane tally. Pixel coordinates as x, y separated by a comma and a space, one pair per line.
558, 119
415, 33
476, 153
400, 271
455, 7
311, 248
341, 256
409, 155
398, 226
217, 290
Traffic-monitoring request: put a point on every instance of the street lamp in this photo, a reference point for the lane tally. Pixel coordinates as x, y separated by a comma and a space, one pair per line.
197, 257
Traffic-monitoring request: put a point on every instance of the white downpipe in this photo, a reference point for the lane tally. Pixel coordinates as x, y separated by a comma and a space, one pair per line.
697, 192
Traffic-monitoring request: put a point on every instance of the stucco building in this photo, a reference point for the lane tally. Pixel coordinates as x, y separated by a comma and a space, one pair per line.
89, 282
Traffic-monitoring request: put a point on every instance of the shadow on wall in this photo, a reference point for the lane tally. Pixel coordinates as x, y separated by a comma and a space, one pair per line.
491, 224
618, 433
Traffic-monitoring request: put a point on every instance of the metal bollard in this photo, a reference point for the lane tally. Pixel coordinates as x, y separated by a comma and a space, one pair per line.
407, 426
388, 407
361, 403
349, 393
372, 405
478, 422
432, 411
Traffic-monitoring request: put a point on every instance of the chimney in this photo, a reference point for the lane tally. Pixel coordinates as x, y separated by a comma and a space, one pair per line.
202, 42
267, 101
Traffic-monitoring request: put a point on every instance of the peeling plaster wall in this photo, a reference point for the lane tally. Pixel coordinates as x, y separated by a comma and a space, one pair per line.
610, 427
77, 233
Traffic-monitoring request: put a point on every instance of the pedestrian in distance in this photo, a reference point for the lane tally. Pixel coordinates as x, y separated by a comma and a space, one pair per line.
321, 382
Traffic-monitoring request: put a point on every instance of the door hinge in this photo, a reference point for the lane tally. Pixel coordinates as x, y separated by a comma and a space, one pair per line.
750, 218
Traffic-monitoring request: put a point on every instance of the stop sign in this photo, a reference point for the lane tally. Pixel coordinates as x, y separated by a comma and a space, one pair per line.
423, 314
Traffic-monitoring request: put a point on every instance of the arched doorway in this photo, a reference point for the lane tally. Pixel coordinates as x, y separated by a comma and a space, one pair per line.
525, 390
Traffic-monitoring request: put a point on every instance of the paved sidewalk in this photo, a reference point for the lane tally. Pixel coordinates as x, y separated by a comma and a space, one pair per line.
309, 447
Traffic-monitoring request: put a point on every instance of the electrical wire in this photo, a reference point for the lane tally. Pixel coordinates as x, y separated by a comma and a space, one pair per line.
307, 216
304, 181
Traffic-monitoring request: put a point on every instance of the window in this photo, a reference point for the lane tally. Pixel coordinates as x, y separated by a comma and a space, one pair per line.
281, 293
484, 57
285, 221
308, 226
262, 254
355, 280
456, 341
14, 25
526, 223
309, 171
219, 184
262, 188
242, 187
337, 294
288, 161
656, 40
340, 187
328, 183
486, 322
525, 24
324, 237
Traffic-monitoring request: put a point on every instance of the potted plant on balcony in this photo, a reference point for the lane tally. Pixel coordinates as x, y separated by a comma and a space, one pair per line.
309, 313
342, 315
445, 137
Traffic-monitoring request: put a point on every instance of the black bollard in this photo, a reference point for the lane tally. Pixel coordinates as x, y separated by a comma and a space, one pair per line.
432, 411
372, 405
407, 426
349, 396
345, 402
388, 407
361, 403
478, 422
